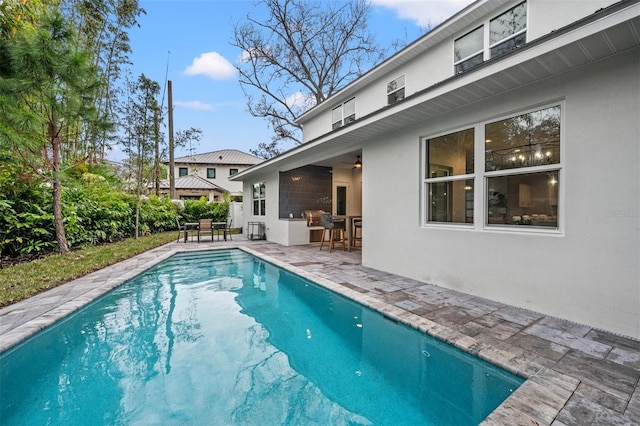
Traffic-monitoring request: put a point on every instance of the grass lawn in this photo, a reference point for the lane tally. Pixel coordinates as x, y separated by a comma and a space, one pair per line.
24, 280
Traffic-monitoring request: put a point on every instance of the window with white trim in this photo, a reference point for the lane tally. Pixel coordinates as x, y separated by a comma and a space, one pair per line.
522, 166
508, 31
259, 199
503, 33
395, 90
343, 114
468, 50
517, 165
449, 178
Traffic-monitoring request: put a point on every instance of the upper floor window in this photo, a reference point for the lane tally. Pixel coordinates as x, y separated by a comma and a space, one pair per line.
233, 172
183, 171
508, 31
505, 33
259, 199
468, 50
211, 173
395, 90
344, 114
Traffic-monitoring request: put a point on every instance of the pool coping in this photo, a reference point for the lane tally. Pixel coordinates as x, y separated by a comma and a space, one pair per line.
540, 398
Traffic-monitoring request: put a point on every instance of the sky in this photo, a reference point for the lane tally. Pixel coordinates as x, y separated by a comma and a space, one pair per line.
188, 43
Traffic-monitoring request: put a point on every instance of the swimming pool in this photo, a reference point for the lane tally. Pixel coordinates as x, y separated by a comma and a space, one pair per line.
223, 337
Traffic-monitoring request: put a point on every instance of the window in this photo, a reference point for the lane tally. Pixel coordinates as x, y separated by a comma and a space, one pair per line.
259, 203
508, 31
449, 177
183, 171
233, 172
522, 161
513, 165
505, 33
468, 50
344, 114
395, 90
211, 173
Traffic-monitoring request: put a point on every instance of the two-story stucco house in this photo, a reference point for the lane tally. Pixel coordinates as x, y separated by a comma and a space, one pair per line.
500, 157
207, 175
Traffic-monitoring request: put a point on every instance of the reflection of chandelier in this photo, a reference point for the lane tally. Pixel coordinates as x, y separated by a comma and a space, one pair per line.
523, 156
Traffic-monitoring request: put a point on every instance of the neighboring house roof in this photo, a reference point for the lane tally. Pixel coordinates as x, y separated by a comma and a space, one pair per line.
225, 156
604, 33
192, 182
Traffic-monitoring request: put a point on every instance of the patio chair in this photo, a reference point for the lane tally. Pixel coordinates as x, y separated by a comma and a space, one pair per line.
333, 225
228, 230
205, 226
182, 231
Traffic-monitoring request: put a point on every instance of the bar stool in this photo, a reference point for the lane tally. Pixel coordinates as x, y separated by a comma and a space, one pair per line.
357, 226
333, 226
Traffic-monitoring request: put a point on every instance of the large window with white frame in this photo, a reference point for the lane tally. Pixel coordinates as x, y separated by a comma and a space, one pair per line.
259, 199
395, 90
343, 114
517, 167
503, 33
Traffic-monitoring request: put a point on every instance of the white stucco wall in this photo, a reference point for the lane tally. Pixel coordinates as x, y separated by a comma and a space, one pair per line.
423, 71
590, 271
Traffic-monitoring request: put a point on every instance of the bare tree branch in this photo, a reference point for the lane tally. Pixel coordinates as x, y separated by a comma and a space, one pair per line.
299, 56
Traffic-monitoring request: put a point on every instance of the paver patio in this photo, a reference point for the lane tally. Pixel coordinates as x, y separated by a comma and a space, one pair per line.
577, 375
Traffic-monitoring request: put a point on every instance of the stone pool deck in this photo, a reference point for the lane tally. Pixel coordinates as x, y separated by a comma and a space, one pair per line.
576, 375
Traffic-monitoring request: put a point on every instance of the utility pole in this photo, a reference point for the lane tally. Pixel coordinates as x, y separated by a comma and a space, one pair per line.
156, 135
172, 177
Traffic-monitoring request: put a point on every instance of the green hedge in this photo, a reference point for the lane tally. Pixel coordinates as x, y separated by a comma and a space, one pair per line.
95, 212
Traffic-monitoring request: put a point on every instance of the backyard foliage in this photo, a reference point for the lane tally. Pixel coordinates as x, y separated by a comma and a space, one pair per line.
67, 96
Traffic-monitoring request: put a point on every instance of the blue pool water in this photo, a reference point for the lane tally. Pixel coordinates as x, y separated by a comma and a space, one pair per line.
224, 338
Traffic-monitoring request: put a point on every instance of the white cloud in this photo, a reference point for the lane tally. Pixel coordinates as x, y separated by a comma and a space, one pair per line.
301, 101
213, 65
424, 13
197, 105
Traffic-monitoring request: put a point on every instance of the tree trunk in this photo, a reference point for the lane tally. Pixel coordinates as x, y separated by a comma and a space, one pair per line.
61, 237
57, 216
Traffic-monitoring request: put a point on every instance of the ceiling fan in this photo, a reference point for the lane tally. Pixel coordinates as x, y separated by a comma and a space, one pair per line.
357, 164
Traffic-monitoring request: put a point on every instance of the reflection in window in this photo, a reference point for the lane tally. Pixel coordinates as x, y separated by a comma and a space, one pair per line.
453, 151
468, 50
531, 139
451, 201
343, 114
395, 90
449, 177
508, 31
233, 172
211, 173
183, 171
259, 199
523, 199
